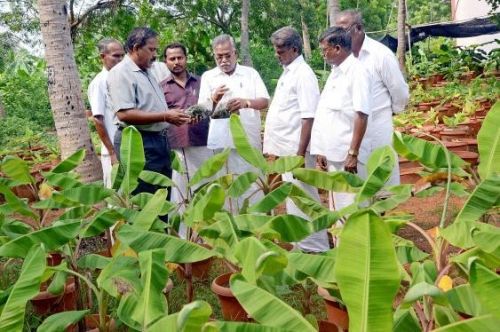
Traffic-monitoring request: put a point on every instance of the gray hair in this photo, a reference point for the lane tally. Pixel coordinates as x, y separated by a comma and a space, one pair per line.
337, 36
103, 45
354, 14
223, 39
287, 37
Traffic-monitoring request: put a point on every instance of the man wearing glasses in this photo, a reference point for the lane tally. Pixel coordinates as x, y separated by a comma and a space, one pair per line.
342, 115
389, 90
241, 90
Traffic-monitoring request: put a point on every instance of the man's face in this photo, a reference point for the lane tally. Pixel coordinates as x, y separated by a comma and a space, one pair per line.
175, 59
146, 54
285, 55
330, 53
114, 54
347, 23
225, 57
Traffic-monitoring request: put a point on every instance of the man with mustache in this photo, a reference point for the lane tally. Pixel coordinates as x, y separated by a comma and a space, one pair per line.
181, 89
137, 100
241, 90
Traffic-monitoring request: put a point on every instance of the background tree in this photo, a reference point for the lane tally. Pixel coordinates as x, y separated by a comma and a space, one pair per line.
65, 90
246, 58
401, 34
333, 10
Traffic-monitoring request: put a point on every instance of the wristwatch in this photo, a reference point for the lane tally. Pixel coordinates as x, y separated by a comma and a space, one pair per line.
352, 152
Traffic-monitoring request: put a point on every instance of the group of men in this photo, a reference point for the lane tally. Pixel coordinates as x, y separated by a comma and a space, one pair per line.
340, 126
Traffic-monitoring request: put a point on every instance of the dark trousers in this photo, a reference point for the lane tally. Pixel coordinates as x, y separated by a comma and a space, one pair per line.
157, 155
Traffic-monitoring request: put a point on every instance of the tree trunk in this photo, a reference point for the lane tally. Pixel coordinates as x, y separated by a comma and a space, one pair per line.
65, 90
305, 37
401, 34
246, 59
333, 10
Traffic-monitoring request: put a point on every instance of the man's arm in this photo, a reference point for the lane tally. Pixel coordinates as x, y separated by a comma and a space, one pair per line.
395, 83
305, 136
103, 134
360, 123
139, 117
238, 103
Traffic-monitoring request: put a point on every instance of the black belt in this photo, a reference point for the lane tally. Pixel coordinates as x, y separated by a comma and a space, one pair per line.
162, 132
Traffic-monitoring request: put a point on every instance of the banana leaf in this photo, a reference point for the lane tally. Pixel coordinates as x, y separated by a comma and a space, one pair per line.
400, 194
210, 167
93, 262
132, 161
206, 204
463, 299
332, 181
245, 149
87, 194
267, 309
428, 154
151, 303
367, 272
379, 169
69, 163
488, 141
484, 197
272, 199
285, 164
17, 169
474, 324
62, 180
15, 204
155, 178
487, 239
318, 267
61, 321
102, 221
120, 276
222, 326
176, 250
25, 288
486, 285
242, 183
52, 238
145, 219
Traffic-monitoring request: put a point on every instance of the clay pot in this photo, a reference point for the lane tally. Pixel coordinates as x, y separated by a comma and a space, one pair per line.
335, 312
426, 106
467, 76
46, 303
199, 270
454, 134
471, 144
410, 175
455, 145
474, 126
470, 157
326, 326
407, 164
24, 191
231, 308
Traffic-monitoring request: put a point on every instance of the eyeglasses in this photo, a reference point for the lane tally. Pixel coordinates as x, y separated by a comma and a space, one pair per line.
324, 50
348, 30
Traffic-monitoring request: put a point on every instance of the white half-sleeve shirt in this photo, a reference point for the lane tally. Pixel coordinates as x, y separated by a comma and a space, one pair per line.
100, 105
295, 98
244, 82
346, 91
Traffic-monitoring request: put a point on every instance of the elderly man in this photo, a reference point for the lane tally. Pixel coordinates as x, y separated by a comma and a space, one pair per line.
342, 116
111, 53
181, 89
389, 89
242, 90
290, 119
137, 100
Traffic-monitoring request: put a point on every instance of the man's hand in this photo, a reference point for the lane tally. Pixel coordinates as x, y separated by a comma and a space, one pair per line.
351, 164
177, 117
321, 163
113, 158
218, 93
236, 104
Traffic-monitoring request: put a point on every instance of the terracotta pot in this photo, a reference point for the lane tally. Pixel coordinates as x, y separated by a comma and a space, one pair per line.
199, 270
426, 106
410, 175
231, 308
467, 76
24, 191
471, 144
470, 157
46, 303
335, 312
474, 126
54, 259
326, 326
481, 111
455, 145
407, 164
454, 134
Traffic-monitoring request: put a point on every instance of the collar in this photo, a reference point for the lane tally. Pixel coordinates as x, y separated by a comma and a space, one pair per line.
294, 64
133, 66
170, 78
237, 71
346, 64
104, 70
365, 47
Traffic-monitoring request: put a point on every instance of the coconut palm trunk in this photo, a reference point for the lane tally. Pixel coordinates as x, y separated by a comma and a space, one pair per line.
246, 58
333, 10
401, 34
65, 90
305, 37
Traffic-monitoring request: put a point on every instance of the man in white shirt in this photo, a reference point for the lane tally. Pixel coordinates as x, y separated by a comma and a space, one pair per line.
389, 90
342, 115
290, 119
244, 92
111, 53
